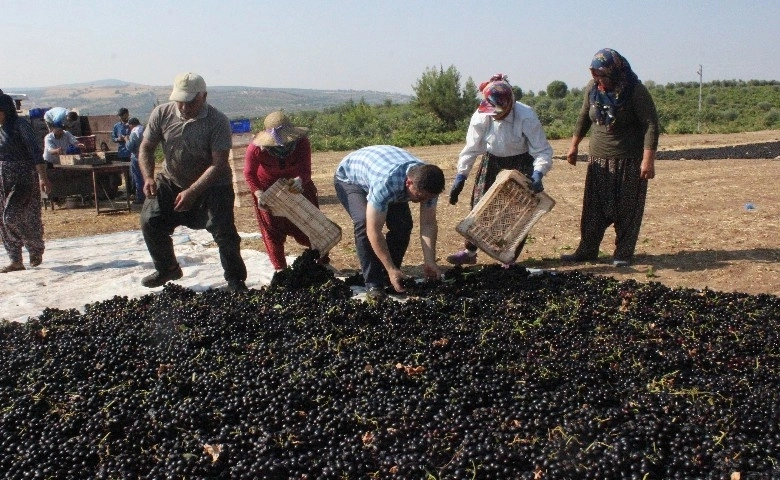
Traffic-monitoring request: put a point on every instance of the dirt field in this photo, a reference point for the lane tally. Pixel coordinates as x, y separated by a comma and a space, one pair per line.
697, 231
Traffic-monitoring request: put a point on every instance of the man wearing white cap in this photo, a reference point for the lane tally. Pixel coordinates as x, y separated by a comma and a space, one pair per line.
195, 186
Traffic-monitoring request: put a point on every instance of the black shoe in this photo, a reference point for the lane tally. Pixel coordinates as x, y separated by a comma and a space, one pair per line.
158, 278
620, 263
236, 286
375, 294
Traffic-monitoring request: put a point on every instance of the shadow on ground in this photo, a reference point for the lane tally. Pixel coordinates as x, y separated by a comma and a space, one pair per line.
683, 261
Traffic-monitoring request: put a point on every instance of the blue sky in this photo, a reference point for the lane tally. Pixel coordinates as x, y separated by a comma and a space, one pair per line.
382, 45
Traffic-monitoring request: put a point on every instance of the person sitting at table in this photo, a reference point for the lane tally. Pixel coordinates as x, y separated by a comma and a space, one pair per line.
59, 141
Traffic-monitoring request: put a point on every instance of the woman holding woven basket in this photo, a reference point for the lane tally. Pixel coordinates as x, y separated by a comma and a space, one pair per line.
281, 150
621, 115
508, 135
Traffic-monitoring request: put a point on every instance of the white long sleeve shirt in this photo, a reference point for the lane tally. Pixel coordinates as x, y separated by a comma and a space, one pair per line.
52, 143
520, 132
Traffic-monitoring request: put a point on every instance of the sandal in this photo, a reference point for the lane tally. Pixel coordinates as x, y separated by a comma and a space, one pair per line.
14, 267
463, 257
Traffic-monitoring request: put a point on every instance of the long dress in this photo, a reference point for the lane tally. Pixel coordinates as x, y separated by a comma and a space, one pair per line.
21, 224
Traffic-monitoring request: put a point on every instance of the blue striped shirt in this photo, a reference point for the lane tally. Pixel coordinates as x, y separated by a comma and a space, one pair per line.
381, 171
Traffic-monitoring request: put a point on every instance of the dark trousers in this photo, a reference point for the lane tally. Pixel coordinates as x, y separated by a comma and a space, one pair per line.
214, 212
614, 195
399, 229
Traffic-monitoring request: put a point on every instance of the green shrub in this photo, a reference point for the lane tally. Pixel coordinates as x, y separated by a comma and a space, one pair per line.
560, 105
680, 128
772, 118
710, 116
730, 115
557, 130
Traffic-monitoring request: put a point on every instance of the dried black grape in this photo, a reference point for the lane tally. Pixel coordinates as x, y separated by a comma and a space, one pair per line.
491, 373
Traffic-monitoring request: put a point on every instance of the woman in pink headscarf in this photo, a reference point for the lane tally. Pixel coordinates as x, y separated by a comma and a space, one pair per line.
281, 150
508, 135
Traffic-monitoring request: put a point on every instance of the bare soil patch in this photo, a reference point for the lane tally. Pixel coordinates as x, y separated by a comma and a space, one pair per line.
697, 231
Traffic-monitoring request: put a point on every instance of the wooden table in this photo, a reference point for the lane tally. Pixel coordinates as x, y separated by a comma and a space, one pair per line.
96, 170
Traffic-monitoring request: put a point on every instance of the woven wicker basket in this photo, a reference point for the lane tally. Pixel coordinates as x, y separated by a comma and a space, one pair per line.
323, 233
504, 215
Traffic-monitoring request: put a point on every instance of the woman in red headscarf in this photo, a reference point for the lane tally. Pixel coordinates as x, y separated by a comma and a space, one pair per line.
508, 135
621, 115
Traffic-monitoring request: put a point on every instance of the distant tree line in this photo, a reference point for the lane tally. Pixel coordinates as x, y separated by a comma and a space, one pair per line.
442, 105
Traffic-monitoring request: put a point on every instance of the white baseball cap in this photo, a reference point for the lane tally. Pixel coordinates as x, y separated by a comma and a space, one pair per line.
186, 86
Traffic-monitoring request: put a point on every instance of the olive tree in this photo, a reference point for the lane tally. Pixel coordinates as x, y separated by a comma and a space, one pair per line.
557, 89
439, 92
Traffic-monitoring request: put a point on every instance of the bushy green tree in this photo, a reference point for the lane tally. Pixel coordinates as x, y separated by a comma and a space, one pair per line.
469, 94
557, 89
439, 91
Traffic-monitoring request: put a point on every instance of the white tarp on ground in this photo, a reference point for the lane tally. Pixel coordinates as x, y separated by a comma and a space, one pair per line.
83, 270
